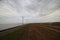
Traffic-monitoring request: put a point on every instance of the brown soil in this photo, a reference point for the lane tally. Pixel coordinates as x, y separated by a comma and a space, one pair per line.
34, 31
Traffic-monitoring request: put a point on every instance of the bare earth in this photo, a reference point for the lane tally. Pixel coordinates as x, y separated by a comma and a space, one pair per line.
33, 31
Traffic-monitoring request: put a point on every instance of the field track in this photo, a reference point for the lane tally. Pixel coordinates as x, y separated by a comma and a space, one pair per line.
33, 31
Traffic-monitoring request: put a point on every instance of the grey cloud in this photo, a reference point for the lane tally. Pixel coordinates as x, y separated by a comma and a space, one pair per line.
44, 7
33, 7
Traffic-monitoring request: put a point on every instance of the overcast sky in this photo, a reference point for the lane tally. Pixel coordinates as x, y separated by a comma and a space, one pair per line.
11, 11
